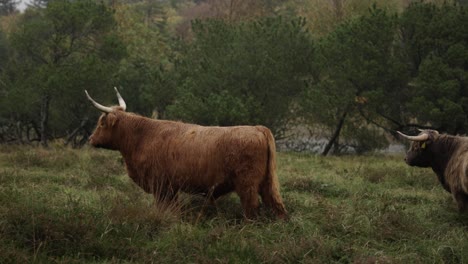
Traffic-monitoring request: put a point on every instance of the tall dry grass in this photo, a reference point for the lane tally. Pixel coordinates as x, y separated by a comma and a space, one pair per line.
78, 206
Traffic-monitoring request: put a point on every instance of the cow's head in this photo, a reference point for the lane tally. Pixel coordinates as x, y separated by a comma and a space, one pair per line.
105, 132
420, 153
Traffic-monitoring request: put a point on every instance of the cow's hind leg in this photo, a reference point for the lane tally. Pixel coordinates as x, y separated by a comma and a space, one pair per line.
249, 199
271, 198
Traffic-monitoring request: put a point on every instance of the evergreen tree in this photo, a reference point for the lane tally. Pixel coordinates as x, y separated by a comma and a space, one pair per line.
38, 3
243, 73
58, 52
8, 7
436, 41
359, 80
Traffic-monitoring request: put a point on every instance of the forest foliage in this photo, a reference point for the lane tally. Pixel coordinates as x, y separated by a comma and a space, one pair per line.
351, 71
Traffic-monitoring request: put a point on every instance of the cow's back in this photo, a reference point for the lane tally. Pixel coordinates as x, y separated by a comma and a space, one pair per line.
198, 157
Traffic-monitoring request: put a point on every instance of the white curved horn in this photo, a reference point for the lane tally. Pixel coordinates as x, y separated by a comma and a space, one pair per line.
97, 105
121, 100
422, 137
434, 131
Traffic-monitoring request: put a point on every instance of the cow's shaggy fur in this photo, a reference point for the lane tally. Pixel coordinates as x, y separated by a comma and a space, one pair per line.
163, 157
448, 157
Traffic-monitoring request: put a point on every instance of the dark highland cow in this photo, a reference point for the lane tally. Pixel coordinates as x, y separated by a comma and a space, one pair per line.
164, 157
447, 156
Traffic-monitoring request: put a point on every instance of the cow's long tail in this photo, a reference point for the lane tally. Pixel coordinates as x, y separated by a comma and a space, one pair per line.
269, 188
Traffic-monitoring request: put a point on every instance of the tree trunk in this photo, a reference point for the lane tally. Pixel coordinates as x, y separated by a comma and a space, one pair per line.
44, 119
336, 134
19, 132
75, 132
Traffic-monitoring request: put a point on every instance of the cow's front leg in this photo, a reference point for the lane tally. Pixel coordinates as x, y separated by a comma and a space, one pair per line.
165, 196
164, 191
462, 201
222, 189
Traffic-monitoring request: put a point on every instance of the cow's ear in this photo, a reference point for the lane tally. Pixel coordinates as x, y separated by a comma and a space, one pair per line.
433, 135
102, 120
111, 119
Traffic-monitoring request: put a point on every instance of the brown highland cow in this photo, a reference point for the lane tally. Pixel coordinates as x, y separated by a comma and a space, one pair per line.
164, 157
447, 156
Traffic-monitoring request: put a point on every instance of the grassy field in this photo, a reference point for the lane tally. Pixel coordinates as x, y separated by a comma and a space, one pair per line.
79, 206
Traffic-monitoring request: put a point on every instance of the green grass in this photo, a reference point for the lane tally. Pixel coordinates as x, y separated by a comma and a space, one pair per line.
74, 206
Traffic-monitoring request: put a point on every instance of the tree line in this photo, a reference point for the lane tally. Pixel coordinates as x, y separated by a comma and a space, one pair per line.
354, 83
